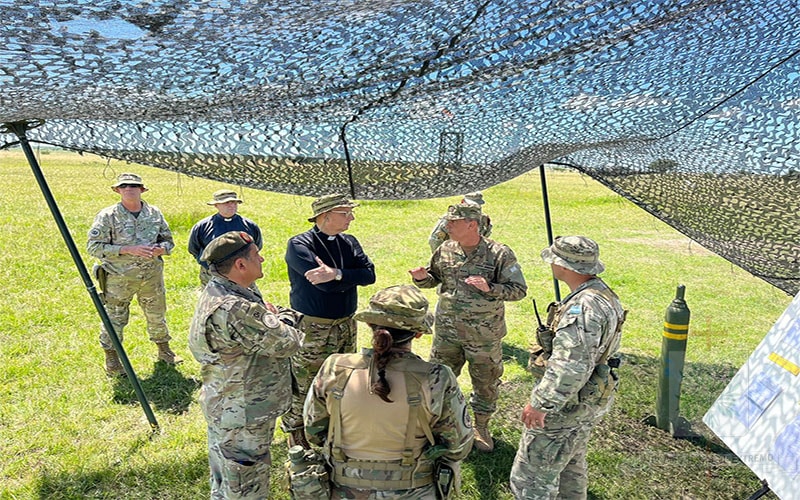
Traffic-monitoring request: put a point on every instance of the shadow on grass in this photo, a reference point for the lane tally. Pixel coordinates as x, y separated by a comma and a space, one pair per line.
186, 478
516, 354
166, 389
627, 458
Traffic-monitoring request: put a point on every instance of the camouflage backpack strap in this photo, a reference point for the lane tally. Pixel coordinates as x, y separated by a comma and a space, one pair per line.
416, 417
610, 297
416, 371
344, 369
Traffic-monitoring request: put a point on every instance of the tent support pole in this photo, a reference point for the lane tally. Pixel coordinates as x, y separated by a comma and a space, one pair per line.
20, 128
548, 223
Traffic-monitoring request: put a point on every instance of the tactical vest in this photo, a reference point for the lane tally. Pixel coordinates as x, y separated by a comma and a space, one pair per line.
221, 370
603, 381
407, 472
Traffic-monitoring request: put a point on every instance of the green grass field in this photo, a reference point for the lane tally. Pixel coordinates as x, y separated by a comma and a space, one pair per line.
66, 431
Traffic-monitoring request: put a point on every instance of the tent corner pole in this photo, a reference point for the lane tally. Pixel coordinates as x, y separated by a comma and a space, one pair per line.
20, 130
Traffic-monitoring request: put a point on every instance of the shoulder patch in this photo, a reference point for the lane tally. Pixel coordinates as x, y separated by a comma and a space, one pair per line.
575, 309
94, 232
271, 321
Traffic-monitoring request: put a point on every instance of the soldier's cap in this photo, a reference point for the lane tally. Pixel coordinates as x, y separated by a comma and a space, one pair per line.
577, 253
224, 196
128, 178
475, 197
225, 245
399, 306
463, 211
329, 202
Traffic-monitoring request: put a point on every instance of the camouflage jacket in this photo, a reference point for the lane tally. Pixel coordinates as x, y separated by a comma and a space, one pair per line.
244, 352
115, 227
442, 402
439, 234
586, 329
450, 266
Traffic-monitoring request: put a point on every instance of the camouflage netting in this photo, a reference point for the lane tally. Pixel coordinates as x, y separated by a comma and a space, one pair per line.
689, 108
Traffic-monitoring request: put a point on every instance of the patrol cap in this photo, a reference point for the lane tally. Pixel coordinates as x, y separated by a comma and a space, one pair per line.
475, 198
224, 196
329, 202
225, 245
128, 178
463, 211
577, 253
399, 306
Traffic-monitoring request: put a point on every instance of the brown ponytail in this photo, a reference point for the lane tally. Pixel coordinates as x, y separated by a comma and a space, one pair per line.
383, 339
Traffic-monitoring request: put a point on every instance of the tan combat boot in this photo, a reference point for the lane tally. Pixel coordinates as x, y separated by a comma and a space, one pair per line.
113, 366
297, 437
483, 439
166, 355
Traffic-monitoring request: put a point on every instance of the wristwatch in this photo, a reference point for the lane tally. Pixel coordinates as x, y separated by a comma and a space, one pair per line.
338, 276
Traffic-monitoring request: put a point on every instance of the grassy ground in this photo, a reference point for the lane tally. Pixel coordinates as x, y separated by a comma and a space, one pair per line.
66, 431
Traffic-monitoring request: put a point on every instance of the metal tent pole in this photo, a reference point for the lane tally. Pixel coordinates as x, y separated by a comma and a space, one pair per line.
547, 223
20, 128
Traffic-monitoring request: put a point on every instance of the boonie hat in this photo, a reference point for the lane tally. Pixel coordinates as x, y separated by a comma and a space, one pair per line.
328, 203
225, 245
476, 198
463, 211
128, 178
400, 306
224, 196
577, 253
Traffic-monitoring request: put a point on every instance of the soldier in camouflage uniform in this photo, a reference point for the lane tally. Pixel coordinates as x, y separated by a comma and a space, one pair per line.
130, 238
243, 345
385, 416
439, 234
326, 267
476, 276
577, 382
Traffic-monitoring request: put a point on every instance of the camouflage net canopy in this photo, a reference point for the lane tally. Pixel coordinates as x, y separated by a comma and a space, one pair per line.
689, 108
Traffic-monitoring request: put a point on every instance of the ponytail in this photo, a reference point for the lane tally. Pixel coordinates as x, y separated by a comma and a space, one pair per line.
383, 339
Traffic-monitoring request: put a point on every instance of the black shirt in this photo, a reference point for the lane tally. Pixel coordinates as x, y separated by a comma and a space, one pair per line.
334, 299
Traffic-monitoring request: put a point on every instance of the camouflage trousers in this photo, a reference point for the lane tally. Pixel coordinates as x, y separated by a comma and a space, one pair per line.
147, 285
485, 359
323, 338
551, 462
422, 493
240, 460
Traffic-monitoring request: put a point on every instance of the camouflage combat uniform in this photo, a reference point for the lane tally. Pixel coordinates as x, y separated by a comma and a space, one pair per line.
244, 351
129, 275
470, 324
374, 431
551, 462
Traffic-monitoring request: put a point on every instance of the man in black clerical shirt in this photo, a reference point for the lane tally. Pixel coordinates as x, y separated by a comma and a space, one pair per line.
325, 267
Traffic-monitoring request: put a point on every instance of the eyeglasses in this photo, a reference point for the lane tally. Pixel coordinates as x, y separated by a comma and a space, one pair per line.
123, 186
346, 214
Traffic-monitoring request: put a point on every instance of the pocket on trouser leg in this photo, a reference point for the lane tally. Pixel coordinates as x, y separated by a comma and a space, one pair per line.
537, 466
243, 481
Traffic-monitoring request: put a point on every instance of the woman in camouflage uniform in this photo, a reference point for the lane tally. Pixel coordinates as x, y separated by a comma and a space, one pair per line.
385, 417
